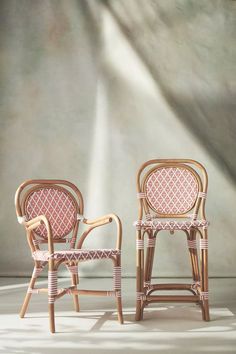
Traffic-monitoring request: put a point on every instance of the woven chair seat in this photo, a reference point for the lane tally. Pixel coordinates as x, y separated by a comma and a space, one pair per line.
156, 224
75, 254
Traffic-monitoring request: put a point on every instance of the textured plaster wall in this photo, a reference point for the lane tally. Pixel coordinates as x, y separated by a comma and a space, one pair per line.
90, 90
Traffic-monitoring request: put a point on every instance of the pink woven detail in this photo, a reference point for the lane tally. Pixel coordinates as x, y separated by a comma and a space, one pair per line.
171, 190
140, 296
204, 295
147, 284
111, 293
36, 242
58, 207
151, 242
202, 195
141, 195
203, 244
192, 244
138, 224
118, 293
32, 291
74, 255
195, 285
172, 225
139, 244
52, 286
117, 278
73, 269
36, 272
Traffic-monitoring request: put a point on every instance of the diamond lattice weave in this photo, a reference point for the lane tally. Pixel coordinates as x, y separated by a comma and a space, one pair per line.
57, 206
171, 190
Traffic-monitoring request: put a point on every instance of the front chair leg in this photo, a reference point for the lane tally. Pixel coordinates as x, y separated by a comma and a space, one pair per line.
35, 274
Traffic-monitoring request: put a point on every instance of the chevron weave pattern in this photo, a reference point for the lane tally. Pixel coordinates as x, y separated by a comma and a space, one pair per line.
74, 255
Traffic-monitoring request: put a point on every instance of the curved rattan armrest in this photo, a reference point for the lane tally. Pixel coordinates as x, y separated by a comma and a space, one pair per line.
103, 220
37, 221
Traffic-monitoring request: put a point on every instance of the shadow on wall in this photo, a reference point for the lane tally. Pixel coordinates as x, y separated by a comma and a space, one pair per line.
188, 48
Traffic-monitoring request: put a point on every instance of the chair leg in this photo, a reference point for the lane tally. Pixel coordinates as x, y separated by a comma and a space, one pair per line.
119, 309
117, 289
75, 296
73, 269
204, 276
35, 274
139, 275
51, 317
149, 260
52, 293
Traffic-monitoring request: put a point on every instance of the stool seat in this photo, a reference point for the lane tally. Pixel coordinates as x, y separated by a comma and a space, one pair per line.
157, 224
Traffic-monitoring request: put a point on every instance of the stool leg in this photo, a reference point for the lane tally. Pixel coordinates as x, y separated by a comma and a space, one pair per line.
139, 274
149, 260
117, 288
204, 275
192, 244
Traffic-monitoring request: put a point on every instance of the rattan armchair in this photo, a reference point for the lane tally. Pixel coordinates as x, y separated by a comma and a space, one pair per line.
51, 211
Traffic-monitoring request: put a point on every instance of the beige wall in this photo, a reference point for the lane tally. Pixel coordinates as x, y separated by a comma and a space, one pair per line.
80, 102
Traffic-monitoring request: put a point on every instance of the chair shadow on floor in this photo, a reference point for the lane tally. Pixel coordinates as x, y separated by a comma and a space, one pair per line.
159, 319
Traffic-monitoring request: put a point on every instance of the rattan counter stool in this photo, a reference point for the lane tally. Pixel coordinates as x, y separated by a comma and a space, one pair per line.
171, 196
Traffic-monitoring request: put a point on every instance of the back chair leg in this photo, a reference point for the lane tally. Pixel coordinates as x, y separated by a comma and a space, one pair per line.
117, 288
35, 274
204, 276
73, 269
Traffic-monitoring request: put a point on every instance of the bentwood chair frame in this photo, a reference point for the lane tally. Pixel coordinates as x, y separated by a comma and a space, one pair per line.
154, 208
51, 211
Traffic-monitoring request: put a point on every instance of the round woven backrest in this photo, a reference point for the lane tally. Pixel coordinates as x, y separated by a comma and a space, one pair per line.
171, 190
57, 204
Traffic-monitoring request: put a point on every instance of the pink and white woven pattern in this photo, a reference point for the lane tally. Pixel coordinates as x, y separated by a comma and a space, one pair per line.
170, 225
117, 278
74, 255
52, 286
171, 190
57, 206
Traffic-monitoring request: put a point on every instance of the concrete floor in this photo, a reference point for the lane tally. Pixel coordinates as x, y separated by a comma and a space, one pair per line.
166, 328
